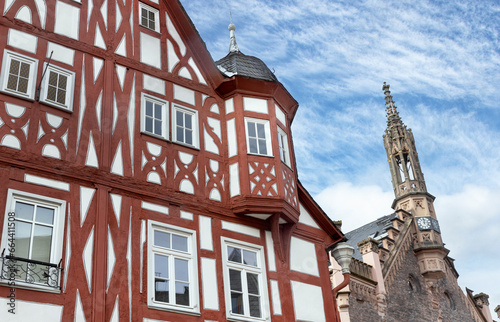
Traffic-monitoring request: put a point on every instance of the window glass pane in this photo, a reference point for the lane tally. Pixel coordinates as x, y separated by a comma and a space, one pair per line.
253, 145
235, 280
62, 81
262, 147
253, 283
149, 108
149, 125
52, 78
12, 82
23, 239
42, 241
181, 270
24, 210
189, 121
23, 85
180, 134
254, 302
157, 127
14, 67
260, 131
249, 258
251, 130
234, 254
179, 116
61, 96
189, 137
182, 293
158, 111
161, 266
161, 239
25, 70
180, 243
237, 303
161, 290
45, 215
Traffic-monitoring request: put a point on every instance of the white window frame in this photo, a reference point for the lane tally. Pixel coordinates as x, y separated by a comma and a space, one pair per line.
70, 87
156, 13
283, 146
7, 59
56, 248
190, 256
269, 149
195, 129
260, 270
165, 115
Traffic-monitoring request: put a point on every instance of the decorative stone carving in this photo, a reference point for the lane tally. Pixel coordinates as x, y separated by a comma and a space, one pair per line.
368, 245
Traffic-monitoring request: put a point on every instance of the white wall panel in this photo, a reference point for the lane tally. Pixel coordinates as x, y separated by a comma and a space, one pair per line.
209, 283
303, 257
308, 302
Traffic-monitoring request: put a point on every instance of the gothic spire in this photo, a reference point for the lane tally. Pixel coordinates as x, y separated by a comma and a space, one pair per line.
391, 109
233, 46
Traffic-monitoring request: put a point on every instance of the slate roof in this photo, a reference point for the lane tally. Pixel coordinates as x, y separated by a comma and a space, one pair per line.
237, 63
376, 229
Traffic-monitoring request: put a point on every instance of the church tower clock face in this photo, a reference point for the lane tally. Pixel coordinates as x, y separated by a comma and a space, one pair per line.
424, 223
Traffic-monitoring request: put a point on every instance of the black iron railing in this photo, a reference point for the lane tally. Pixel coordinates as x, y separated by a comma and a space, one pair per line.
30, 271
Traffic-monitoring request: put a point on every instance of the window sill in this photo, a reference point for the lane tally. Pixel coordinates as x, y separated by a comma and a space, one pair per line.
261, 155
31, 287
237, 318
175, 309
59, 107
187, 145
19, 95
159, 137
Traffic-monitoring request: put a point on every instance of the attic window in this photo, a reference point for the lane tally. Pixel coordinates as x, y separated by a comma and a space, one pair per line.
149, 17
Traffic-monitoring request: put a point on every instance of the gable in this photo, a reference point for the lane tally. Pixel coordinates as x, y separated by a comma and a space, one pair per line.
305, 217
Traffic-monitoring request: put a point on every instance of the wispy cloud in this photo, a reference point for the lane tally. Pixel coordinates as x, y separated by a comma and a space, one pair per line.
443, 63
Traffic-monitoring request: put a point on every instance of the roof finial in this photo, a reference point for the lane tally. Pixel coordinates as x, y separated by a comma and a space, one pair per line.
392, 112
233, 46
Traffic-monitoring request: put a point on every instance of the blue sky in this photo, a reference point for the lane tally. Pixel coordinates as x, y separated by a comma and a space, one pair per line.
442, 60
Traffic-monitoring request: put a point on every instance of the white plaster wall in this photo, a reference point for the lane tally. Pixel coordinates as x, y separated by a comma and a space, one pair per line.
22, 40
308, 302
271, 258
209, 283
303, 257
67, 20
61, 53
231, 138
305, 217
184, 94
206, 233
255, 105
29, 311
242, 229
280, 115
234, 179
150, 50
153, 84
275, 296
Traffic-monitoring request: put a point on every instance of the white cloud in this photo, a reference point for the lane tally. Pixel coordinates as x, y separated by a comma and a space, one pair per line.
354, 205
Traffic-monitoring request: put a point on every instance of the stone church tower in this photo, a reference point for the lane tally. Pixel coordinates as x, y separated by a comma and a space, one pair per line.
411, 193
401, 270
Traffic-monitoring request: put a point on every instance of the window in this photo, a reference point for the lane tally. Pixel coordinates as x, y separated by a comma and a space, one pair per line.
18, 75
283, 146
258, 137
33, 234
58, 87
244, 281
154, 116
149, 17
185, 126
173, 283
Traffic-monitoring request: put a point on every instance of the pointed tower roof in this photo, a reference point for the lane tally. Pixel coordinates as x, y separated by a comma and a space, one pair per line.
237, 63
393, 118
